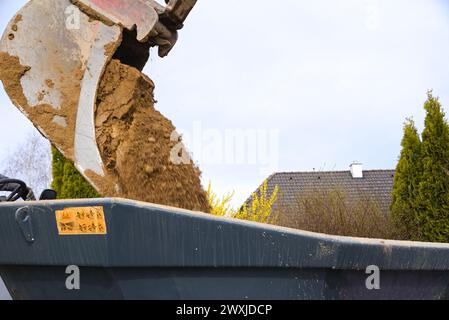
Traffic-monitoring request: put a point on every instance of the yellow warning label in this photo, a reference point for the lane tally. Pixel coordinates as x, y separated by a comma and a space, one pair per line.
81, 221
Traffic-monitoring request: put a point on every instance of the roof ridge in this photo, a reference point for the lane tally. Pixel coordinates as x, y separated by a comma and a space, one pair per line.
334, 171
378, 183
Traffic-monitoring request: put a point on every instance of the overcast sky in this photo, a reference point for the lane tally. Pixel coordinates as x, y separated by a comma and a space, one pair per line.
331, 81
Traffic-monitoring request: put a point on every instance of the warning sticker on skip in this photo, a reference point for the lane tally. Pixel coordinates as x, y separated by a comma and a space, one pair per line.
81, 221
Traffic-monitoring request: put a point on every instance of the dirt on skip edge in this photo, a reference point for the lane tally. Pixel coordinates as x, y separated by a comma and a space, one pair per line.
134, 139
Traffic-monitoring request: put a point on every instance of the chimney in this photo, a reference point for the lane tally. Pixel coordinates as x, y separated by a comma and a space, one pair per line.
356, 170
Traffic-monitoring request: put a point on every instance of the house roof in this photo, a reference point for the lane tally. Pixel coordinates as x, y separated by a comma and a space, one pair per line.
375, 184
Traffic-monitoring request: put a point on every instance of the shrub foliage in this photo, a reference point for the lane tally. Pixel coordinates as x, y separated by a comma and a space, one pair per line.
261, 208
67, 181
331, 212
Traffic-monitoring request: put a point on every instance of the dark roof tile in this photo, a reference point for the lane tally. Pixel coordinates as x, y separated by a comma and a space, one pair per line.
375, 184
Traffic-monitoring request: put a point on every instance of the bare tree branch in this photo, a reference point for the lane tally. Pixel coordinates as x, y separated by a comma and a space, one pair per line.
30, 162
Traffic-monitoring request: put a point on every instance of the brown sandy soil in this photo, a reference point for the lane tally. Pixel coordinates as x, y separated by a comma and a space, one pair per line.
135, 143
133, 138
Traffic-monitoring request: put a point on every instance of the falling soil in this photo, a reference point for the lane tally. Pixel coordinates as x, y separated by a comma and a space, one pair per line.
135, 143
133, 138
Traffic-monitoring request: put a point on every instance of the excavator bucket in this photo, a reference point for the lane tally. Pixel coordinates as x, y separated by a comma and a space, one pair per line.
53, 55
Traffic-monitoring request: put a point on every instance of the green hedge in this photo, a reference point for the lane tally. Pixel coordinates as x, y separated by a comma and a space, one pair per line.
67, 181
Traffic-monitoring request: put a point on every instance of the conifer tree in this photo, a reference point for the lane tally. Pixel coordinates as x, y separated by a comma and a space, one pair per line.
67, 181
432, 201
406, 182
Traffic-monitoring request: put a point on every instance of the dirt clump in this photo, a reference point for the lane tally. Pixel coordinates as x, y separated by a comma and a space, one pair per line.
136, 145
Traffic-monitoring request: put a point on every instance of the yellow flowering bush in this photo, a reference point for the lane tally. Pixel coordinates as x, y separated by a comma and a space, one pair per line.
260, 210
220, 206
